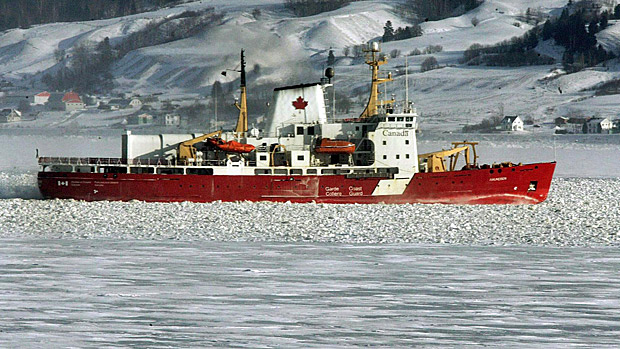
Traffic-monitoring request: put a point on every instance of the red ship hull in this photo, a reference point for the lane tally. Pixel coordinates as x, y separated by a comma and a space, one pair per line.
525, 184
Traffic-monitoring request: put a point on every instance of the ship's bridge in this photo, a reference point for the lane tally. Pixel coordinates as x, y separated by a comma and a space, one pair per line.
395, 143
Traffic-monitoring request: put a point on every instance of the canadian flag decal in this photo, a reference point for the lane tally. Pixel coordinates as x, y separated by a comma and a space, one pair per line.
300, 103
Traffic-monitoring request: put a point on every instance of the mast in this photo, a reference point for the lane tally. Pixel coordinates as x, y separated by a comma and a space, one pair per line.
242, 105
406, 82
374, 63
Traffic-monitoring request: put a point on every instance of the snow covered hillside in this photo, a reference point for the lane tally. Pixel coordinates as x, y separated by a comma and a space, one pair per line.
289, 49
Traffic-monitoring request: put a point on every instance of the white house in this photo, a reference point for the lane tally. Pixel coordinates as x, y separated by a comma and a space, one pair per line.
512, 123
11, 115
172, 120
599, 125
135, 103
42, 98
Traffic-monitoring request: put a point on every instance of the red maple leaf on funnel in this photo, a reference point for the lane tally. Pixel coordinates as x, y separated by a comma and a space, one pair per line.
300, 103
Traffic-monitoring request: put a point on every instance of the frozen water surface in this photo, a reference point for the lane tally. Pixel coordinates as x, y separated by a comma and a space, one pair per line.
146, 293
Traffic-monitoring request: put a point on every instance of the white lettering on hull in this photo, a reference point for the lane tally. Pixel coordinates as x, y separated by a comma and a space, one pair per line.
388, 133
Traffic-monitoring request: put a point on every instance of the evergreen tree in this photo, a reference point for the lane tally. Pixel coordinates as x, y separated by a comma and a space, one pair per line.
331, 60
547, 30
105, 53
388, 32
593, 27
530, 40
617, 12
604, 20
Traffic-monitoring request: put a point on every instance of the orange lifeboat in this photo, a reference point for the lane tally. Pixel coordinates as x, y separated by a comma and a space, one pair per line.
330, 146
230, 146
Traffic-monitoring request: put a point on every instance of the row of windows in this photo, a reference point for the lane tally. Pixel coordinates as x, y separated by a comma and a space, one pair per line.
325, 171
398, 118
406, 142
300, 130
397, 156
145, 170
264, 157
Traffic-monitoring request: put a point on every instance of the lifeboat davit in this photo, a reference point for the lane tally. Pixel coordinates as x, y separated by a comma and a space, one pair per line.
330, 146
230, 146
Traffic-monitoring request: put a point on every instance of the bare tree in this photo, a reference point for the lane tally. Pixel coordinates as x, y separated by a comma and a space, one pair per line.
429, 63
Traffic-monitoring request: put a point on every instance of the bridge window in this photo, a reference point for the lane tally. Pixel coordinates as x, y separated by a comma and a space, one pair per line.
300, 130
300, 157
310, 130
263, 158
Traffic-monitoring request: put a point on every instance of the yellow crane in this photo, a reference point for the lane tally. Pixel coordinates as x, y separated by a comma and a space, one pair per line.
435, 161
187, 151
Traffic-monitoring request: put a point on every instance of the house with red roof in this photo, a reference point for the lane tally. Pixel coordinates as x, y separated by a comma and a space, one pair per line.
73, 101
42, 98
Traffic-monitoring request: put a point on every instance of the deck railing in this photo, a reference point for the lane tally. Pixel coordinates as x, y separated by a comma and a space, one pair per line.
125, 162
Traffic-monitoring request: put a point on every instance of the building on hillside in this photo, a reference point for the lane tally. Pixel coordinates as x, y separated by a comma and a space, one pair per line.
41, 98
10, 115
135, 103
512, 123
172, 120
73, 101
615, 126
145, 119
598, 125
560, 120
118, 103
